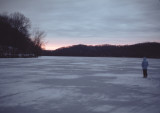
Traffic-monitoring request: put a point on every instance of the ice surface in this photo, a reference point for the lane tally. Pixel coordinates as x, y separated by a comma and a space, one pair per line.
78, 85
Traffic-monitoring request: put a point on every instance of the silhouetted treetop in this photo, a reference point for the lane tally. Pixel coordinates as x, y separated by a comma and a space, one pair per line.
20, 22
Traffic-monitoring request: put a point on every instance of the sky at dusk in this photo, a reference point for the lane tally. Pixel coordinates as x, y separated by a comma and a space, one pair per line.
91, 22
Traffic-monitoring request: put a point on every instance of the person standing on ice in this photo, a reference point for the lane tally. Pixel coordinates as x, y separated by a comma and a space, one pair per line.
144, 67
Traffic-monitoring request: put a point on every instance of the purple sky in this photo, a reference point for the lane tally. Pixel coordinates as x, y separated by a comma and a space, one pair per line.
68, 22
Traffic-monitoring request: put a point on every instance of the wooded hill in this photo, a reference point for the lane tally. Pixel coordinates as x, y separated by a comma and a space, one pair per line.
148, 49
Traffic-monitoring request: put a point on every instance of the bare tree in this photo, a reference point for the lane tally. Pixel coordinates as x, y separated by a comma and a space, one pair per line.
38, 37
15, 31
38, 40
20, 22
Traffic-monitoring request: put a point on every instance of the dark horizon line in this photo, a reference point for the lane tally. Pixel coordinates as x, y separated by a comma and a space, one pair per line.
104, 45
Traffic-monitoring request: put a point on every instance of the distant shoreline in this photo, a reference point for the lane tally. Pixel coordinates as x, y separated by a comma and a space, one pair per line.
139, 50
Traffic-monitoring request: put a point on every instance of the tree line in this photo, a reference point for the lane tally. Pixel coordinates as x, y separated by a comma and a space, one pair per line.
16, 36
149, 49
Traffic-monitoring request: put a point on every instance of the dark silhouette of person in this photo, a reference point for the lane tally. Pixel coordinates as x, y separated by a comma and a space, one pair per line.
144, 67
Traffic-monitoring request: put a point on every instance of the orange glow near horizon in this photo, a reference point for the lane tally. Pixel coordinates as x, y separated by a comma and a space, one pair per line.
56, 46
53, 46
59, 42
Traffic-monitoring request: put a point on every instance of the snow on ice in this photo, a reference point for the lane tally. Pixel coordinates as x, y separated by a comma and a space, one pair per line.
78, 85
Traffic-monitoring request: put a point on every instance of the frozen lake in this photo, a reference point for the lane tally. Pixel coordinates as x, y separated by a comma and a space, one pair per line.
78, 85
